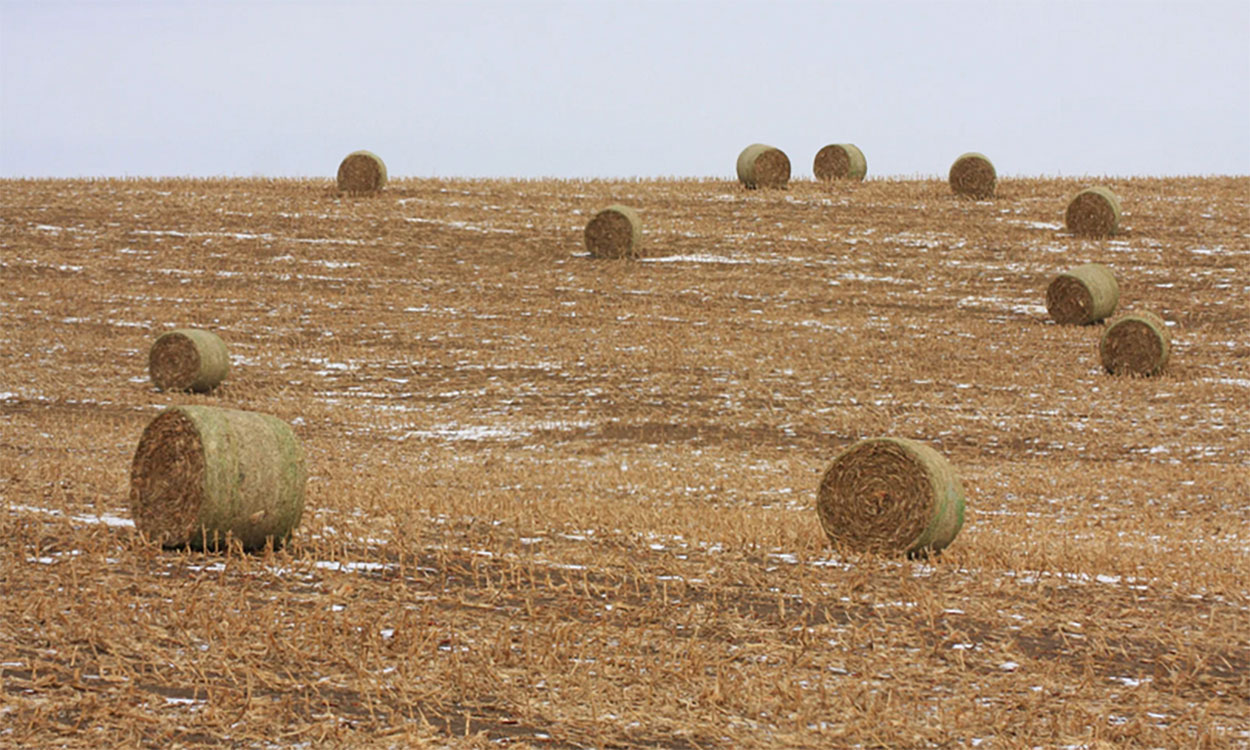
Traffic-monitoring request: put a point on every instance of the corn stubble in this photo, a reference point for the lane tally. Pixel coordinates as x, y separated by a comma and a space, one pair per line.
556, 502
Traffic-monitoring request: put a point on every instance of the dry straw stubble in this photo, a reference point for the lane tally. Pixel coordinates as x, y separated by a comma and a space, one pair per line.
1083, 295
1135, 344
840, 161
973, 175
188, 359
890, 496
614, 232
202, 475
361, 172
1094, 212
763, 166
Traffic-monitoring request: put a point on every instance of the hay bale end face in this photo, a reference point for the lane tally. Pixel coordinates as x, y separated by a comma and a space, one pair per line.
361, 172
1135, 344
203, 475
1094, 212
615, 232
973, 175
1086, 294
840, 161
890, 496
763, 166
188, 359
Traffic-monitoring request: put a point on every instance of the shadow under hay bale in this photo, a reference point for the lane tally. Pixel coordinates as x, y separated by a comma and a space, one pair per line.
1135, 344
614, 232
203, 476
763, 166
1094, 212
361, 172
890, 496
973, 175
1086, 294
840, 161
188, 359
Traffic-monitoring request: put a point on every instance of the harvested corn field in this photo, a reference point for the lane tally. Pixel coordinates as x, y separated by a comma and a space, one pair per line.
557, 501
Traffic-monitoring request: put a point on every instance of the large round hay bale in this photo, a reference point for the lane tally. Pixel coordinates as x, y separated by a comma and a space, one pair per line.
1094, 212
1086, 294
188, 359
973, 175
614, 232
840, 161
202, 475
1136, 344
763, 166
890, 496
362, 172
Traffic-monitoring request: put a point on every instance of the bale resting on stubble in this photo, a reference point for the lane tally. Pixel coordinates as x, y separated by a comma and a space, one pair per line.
890, 496
614, 232
973, 175
1135, 344
840, 161
361, 172
188, 359
763, 166
1086, 294
1094, 212
203, 475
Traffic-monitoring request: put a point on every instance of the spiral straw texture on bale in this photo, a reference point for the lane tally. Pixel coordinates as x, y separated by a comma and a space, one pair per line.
1135, 344
890, 496
614, 232
361, 172
1086, 294
973, 175
203, 475
763, 166
1094, 212
840, 161
188, 359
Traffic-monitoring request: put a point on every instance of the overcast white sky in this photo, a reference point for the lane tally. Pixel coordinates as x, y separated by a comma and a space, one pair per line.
619, 89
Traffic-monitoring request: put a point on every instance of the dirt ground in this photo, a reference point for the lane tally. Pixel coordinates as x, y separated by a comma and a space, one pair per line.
555, 501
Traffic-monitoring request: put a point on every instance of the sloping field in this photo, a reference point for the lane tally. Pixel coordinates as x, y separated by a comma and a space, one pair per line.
563, 502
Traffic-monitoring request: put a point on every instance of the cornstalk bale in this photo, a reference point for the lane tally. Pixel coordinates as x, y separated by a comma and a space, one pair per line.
760, 165
840, 161
1094, 211
614, 232
973, 175
1136, 344
203, 475
890, 495
188, 359
1085, 294
361, 172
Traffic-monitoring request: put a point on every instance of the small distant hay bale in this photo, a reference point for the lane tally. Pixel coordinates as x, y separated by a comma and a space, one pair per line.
1136, 344
362, 172
188, 359
203, 475
763, 166
890, 496
1086, 294
1094, 212
974, 176
840, 161
614, 232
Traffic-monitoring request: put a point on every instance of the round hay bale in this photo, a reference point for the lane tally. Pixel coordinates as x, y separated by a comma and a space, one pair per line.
891, 496
615, 232
362, 172
202, 475
1136, 344
840, 161
1086, 294
973, 175
763, 166
1094, 212
188, 359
